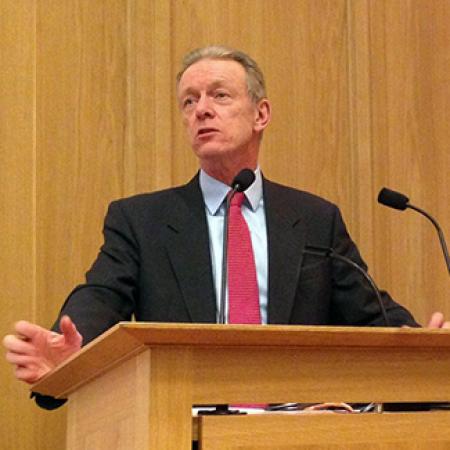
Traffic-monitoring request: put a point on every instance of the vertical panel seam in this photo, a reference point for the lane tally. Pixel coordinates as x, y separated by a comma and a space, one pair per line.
350, 92
360, 129
34, 171
129, 119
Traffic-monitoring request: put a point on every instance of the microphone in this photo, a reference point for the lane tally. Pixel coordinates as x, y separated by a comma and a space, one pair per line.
243, 180
329, 252
399, 201
240, 183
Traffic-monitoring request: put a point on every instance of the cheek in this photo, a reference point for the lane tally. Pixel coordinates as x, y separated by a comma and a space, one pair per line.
244, 125
239, 121
188, 125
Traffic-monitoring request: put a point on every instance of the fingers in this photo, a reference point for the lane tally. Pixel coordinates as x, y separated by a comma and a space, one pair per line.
330, 406
69, 330
55, 340
436, 321
27, 368
27, 329
66, 326
34, 351
17, 345
27, 374
20, 360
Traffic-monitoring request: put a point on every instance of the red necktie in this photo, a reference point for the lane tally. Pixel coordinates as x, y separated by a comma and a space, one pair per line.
243, 293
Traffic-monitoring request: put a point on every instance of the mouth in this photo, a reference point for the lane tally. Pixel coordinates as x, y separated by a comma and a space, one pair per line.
206, 131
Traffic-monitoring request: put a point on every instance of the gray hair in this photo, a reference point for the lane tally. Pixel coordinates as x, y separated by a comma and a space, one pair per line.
255, 78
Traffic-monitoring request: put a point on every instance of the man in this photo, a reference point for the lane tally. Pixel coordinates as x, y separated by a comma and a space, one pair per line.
161, 259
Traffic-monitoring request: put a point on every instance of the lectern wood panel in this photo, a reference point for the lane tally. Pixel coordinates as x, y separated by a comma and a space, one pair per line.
332, 431
137, 383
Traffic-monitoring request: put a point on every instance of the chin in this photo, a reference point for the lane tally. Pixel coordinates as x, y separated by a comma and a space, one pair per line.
211, 152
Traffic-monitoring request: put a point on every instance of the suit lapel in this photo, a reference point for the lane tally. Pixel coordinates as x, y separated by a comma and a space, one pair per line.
286, 239
189, 253
188, 249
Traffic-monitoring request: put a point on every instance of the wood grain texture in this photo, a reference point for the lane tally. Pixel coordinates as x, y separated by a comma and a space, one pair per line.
150, 98
106, 426
410, 99
17, 215
417, 431
170, 398
81, 116
302, 359
360, 152
170, 374
127, 406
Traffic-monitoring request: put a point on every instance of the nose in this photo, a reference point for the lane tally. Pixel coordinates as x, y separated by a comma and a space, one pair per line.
204, 108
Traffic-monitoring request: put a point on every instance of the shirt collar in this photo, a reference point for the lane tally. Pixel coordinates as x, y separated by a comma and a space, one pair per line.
214, 192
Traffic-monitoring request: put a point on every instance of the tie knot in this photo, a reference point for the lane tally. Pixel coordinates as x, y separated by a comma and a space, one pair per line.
238, 199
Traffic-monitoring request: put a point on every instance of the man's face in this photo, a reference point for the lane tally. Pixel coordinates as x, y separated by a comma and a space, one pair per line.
218, 113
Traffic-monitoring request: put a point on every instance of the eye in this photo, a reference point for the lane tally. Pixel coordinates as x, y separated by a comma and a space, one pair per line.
220, 95
188, 101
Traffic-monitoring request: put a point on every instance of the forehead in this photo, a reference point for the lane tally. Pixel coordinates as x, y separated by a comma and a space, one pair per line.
207, 72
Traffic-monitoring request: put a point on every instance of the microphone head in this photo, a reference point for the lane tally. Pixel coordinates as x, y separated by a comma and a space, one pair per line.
243, 180
393, 199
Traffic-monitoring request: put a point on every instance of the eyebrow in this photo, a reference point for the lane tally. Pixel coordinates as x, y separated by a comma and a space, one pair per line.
191, 90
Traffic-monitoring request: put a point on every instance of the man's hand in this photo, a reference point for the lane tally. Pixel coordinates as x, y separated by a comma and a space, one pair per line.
437, 321
35, 351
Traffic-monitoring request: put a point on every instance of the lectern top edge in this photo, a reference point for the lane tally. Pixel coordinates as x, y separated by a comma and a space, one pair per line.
283, 335
128, 339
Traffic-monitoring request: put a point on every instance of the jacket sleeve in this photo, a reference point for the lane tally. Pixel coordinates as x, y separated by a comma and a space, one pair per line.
109, 293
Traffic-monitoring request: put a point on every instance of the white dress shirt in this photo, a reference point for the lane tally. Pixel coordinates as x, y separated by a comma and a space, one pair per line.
214, 194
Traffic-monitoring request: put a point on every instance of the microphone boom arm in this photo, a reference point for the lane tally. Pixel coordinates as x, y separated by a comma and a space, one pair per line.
438, 229
333, 254
330, 252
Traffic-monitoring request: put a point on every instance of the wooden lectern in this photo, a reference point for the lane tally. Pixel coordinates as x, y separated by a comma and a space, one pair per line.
134, 386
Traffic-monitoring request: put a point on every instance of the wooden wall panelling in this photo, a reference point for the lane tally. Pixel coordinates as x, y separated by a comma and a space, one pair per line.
21, 423
305, 54
361, 149
150, 98
81, 117
17, 215
410, 91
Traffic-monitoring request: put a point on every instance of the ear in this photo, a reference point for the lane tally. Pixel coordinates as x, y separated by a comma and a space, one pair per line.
263, 114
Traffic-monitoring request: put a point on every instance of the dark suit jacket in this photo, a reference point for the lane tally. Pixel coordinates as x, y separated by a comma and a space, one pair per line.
155, 264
